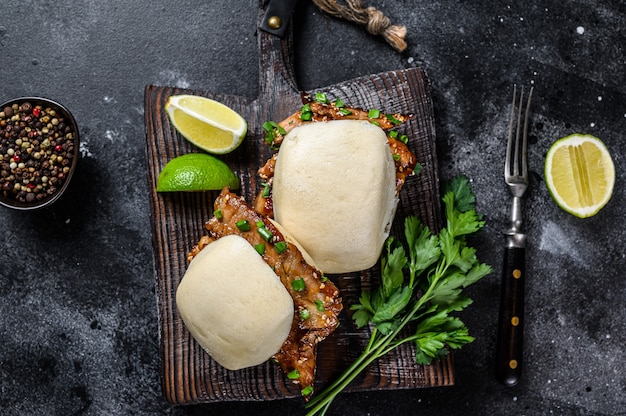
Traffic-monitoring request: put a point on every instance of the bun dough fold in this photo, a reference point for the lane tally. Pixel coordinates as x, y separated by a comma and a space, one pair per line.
234, 304
334, 191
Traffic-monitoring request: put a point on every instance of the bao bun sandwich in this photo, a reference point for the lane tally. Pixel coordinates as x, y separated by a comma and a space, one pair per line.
322, 169
335, 182
249, 294
246, 329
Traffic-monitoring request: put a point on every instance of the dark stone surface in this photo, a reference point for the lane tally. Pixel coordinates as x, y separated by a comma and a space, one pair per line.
78, 314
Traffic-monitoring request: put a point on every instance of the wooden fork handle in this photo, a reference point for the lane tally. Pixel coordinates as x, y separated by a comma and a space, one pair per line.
511, 319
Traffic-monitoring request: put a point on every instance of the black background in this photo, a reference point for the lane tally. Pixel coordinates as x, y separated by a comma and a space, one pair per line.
78, 319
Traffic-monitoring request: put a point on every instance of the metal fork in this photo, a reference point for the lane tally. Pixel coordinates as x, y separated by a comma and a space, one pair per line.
511, 318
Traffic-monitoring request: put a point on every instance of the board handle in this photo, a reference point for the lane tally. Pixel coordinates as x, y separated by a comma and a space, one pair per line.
277, 16
511, 320
277, 78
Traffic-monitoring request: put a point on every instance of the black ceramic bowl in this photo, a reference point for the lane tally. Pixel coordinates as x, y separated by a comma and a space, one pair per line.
39, 150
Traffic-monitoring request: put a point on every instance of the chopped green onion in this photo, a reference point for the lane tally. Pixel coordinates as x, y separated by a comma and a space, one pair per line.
266, 190
280, 247
374, 122
320, 97
260, 248
298, 284
404, 138
319, 305
305, 314
305, 113
218, 214
324, 278
293, 374
243, 225
391, 118
345, 111
393, 134
396, 157
260, 224
373, 113
269, 126
265, 233
339, 103
269, 137
273, 129
306, 391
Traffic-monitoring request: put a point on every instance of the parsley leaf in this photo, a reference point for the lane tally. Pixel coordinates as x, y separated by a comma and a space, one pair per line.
462, 191
363, 310
392, 267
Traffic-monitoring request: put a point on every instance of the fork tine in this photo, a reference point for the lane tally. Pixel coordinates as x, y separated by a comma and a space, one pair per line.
516, 133
516, 158
509, 144
525, 134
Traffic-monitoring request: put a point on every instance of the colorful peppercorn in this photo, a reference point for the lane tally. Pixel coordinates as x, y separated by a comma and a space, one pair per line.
36, 149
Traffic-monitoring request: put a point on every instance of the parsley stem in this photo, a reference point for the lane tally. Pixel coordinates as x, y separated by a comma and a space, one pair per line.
321, 402
412, 278
373, 336
376, 348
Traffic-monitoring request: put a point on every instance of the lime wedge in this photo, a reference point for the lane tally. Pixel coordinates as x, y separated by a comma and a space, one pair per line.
196, 172
580, 174
208, 124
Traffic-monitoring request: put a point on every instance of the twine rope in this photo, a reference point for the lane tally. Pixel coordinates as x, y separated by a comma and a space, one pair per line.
373, 19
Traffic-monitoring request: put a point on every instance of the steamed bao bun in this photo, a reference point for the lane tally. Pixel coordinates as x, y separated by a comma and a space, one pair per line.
334, 191
234, 304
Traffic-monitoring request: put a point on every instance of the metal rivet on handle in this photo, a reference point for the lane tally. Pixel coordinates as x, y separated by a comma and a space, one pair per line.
274, 22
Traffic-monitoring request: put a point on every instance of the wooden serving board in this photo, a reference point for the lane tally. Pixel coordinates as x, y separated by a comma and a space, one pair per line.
189, 375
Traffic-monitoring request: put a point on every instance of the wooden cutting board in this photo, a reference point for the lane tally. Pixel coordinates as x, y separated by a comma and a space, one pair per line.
188, 374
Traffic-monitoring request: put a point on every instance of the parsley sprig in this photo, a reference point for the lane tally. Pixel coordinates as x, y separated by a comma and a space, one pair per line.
421, 284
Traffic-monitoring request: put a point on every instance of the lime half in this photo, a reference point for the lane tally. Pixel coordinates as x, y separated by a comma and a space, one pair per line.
580, 174
208, 124
196, 172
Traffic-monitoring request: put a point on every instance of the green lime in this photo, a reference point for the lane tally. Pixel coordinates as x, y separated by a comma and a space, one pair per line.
196, 172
